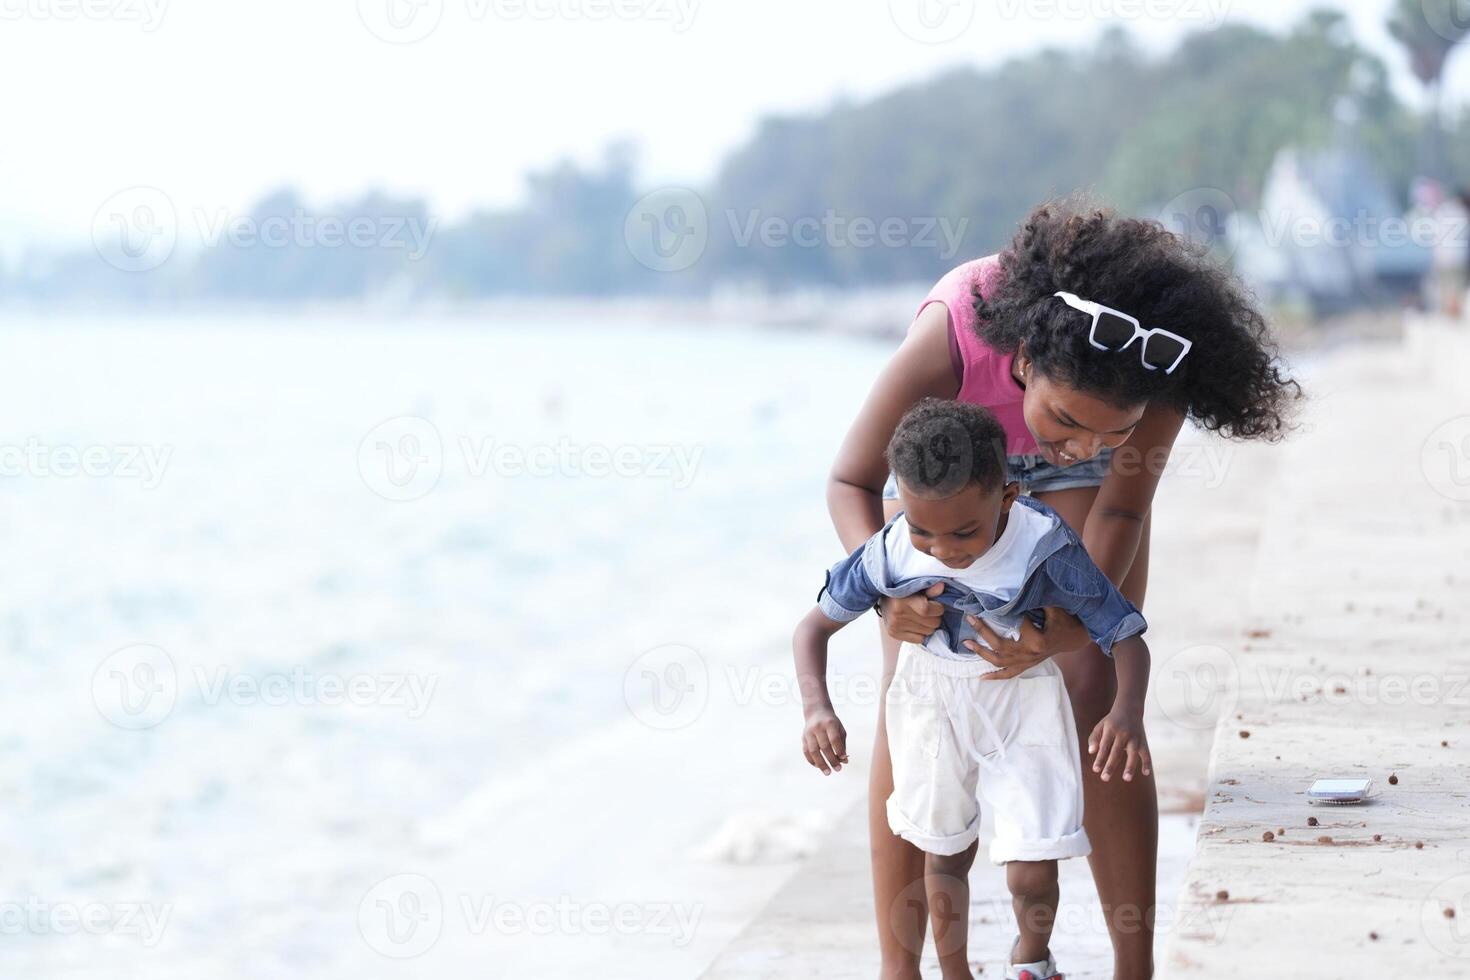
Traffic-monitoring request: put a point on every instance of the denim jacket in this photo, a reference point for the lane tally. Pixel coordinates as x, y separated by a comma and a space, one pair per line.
1059, 573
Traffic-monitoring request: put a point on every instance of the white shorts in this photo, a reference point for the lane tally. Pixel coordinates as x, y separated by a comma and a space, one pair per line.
955, 739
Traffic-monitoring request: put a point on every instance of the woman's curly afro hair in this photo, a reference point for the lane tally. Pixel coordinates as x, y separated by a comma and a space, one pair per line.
1231, 381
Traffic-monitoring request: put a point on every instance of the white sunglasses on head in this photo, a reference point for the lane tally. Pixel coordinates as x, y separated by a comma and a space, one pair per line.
1113, 330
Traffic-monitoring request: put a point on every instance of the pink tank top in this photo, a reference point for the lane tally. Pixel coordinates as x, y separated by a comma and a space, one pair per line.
985, 373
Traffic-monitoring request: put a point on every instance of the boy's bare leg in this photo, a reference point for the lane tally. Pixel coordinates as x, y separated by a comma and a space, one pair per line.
898, 866
947, 884
1034, 896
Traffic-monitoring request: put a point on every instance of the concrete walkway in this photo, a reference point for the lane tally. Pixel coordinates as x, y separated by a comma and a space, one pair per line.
1357, 666
821, 923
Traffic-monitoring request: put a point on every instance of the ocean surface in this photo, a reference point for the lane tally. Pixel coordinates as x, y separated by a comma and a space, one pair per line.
340, 647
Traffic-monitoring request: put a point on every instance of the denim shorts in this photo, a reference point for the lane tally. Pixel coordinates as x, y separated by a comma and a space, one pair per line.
1036, 475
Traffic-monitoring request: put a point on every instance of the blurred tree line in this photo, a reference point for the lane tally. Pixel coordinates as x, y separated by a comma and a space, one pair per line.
977, 147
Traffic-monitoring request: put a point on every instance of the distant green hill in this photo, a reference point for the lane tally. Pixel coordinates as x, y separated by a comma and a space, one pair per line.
900, 187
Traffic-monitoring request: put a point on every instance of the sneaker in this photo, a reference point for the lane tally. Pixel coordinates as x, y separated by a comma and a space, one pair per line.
1041, 970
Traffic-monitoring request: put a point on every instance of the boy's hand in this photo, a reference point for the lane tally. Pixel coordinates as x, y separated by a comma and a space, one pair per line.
1118, 743
824, 741
912, 618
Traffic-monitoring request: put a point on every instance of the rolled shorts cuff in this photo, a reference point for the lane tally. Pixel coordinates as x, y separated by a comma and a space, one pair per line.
1053, 849
1036, 475
903, 827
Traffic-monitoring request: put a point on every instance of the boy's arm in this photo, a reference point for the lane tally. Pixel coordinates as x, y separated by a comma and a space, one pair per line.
823, 740
849, 590
847, 594
1079, 586
1131, 662
1118, 741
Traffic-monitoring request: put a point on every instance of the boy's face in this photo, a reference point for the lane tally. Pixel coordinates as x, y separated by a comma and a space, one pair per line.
960, 528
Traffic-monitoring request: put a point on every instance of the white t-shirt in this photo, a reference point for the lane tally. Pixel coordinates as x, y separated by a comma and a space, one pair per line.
1001, 571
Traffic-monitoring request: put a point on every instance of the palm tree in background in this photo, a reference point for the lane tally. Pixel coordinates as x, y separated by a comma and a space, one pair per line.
1429, 31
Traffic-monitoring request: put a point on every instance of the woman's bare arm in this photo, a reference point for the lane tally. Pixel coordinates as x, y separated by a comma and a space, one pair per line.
920, 368
1115, 523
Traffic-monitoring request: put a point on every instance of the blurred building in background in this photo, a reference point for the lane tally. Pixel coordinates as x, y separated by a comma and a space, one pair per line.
1329, 235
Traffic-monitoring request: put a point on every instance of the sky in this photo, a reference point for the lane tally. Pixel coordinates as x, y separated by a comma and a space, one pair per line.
216, 102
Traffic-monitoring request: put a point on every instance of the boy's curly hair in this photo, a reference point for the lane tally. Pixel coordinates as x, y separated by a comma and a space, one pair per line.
942, 446
1230, 382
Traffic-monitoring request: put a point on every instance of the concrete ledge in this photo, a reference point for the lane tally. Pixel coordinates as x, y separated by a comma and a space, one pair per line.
1370, 898
1355, 664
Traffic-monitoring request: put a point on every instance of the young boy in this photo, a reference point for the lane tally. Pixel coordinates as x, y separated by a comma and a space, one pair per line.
952, 732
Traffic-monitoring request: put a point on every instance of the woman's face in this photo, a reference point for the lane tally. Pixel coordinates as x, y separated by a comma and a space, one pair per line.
1071, 425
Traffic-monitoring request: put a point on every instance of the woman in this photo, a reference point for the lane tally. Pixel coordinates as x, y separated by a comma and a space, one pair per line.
1091, 403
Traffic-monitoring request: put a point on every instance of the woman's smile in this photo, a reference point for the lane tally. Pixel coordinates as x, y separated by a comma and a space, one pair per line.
1058, 456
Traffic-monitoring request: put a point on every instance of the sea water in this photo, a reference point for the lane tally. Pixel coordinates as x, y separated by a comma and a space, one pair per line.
339, 646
